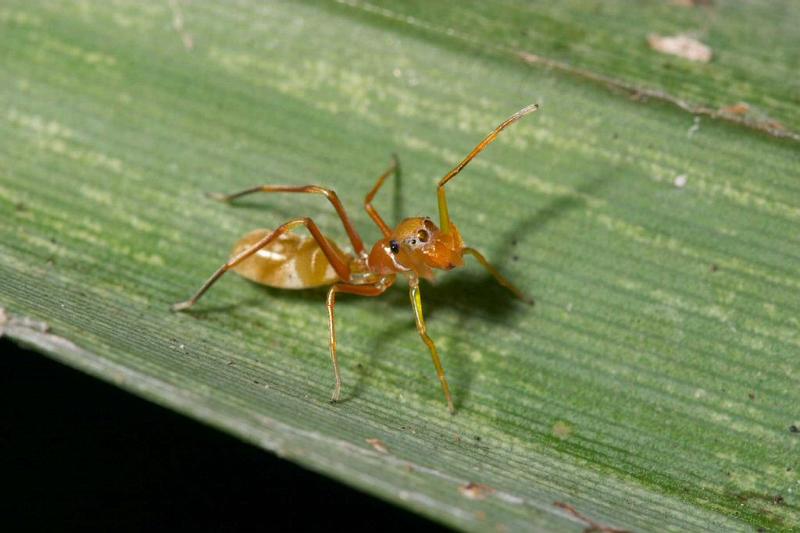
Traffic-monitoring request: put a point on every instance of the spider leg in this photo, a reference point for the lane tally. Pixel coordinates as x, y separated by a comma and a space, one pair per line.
375, 289
336, 261
502, 280
416, 302
355, 238
444, 216
394, 168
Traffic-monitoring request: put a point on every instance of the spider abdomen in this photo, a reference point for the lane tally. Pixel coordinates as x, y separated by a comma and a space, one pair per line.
292, 261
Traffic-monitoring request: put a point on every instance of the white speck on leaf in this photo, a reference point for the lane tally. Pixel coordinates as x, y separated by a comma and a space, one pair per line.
178, 25
694, 128
562, 430
681, 46
378, 445
475, 491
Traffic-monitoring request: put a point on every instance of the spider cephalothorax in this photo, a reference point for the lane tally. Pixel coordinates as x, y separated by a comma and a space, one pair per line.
417, 245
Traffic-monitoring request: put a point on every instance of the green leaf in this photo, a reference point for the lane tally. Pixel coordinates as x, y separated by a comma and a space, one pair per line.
751, 80
653, 385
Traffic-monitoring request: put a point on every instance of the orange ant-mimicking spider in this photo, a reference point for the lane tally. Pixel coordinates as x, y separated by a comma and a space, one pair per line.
415, 247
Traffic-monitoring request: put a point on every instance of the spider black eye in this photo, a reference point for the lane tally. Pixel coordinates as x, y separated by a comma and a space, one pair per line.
394, 247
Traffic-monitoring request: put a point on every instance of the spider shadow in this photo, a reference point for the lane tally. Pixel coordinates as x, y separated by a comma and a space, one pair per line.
397, 196
477, 295
472, 295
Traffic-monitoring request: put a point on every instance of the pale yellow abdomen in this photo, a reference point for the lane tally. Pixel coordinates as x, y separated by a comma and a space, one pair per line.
290, 262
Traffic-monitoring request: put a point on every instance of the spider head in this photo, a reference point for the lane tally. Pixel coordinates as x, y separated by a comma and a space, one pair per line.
417, 245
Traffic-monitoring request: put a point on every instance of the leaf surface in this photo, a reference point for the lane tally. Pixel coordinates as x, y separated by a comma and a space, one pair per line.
652, 386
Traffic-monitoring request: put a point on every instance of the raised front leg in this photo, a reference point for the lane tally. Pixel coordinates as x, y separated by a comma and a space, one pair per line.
444, 216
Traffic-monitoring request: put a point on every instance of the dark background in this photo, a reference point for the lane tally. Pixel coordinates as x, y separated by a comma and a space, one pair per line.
77, 453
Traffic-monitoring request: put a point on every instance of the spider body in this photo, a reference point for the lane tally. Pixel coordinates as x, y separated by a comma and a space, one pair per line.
414, 249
